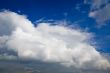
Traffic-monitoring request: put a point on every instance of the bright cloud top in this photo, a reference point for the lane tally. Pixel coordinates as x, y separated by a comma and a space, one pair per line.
48, 43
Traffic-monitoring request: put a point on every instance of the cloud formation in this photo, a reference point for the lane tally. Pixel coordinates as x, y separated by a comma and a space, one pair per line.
100, 10
49, 43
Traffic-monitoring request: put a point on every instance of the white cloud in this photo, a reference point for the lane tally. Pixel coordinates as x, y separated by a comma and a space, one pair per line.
100, 10
49, 43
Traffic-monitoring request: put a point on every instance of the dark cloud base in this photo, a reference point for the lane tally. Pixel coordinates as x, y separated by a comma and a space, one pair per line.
23, 66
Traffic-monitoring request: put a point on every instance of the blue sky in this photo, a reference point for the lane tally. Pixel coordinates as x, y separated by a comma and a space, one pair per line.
74, 11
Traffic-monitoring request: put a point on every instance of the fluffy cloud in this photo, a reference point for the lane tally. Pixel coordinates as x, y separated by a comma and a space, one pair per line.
49, 43
100, 10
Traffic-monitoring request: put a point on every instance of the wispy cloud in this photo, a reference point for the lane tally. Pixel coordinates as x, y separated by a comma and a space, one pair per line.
100, 10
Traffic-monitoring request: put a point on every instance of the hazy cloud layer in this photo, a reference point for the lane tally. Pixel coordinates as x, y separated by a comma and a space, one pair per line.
49, 43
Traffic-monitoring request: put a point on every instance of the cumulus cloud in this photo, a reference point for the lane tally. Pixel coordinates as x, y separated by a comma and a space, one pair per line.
100, 10
49, 43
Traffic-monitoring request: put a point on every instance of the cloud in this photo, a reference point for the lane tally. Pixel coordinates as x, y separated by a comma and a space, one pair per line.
49, 43
99, 10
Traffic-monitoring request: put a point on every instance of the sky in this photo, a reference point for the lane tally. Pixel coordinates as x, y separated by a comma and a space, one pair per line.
73, 11
81, 24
